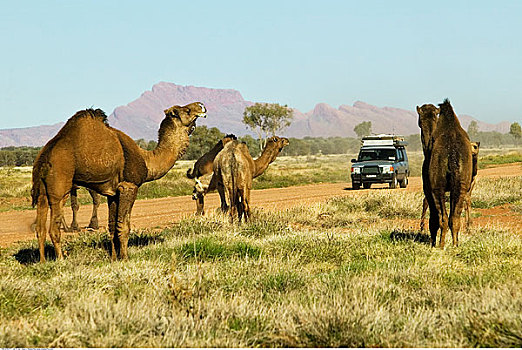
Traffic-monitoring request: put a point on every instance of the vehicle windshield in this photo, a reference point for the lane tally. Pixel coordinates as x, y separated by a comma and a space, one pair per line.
377, 154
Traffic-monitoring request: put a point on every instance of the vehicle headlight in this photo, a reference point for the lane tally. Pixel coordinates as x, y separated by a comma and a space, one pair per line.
387, 169
356, 170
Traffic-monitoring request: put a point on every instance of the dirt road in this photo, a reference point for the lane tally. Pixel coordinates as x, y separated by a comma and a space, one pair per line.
161, 212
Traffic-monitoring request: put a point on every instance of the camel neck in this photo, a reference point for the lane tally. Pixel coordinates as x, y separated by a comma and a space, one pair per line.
264, 160
172, 143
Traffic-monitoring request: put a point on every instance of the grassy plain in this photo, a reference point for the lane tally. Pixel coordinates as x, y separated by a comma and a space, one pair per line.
15, 183
344, 272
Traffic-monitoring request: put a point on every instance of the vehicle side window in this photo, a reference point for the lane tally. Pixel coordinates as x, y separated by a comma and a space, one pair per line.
400, 156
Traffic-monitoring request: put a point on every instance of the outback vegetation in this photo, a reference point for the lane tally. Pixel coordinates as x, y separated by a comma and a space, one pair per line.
346, 272
203, 138
15, 182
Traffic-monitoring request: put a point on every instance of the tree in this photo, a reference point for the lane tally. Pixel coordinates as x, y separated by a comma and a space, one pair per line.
201, 141
516, 131
266, 119
363, 129
473, 130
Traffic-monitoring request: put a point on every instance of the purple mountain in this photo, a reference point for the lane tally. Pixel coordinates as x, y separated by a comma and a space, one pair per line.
141, 117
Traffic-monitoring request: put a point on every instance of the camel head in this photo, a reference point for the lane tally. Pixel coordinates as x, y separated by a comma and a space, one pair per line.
428, 117
187, 115
475, 146
276, 142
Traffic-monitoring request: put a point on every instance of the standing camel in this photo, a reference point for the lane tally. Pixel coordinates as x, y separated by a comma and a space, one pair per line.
449, 170
204, 166
88, 152
234, 170
428, 118
475, 146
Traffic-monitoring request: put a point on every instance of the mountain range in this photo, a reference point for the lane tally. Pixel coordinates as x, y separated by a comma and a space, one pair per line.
141, 117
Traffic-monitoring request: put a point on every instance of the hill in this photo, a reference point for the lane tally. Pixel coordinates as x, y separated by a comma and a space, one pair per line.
141, 117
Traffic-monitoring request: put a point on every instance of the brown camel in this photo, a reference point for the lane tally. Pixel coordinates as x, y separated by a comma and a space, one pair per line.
428, 118
450, 170
88, 152
204, 166
234, 170
475, 146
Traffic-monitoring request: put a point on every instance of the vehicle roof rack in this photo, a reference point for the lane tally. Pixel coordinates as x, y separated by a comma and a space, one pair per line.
384, 140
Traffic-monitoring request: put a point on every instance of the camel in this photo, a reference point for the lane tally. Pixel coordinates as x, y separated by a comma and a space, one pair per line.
475, 146
449, 169
204, 166
88, 152
234, 170
428, 118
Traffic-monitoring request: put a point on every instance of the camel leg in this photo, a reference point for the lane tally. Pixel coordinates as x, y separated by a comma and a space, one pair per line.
127, 196
457, 204
112, 203
246, 204
434, 225
442, 216
221, 191
200, 204
75, 207
41, 220
54, 228
233, 209
240, 206
423, 215
95, 205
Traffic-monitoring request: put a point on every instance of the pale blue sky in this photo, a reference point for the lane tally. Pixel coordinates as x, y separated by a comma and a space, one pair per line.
57, 57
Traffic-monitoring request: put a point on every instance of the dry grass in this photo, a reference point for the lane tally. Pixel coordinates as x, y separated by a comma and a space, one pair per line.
338, 273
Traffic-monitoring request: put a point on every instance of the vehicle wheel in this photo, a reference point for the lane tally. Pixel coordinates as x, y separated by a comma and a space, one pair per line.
404, 182
367, 185
356, 186
394, 182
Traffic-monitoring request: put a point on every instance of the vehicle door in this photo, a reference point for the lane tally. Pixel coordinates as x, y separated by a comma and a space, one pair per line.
401, 164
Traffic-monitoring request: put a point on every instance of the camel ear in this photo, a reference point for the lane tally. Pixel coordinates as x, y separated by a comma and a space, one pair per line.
418, 109
172, 111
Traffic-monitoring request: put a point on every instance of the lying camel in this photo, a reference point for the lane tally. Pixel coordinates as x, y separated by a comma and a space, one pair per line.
204, 166
234, 170
467, 205
88, 152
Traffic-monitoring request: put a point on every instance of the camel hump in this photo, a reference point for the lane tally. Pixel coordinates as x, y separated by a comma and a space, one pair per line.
96, 114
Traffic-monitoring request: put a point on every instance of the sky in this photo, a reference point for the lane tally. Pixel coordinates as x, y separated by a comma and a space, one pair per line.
57, 57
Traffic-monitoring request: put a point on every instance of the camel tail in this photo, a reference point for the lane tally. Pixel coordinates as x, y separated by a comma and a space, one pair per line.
40, 170
36, 190
34, 194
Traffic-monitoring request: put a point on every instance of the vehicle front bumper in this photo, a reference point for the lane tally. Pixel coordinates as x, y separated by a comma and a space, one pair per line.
370, 178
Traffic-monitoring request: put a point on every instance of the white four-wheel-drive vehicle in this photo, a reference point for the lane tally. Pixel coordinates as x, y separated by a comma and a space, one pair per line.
382, 159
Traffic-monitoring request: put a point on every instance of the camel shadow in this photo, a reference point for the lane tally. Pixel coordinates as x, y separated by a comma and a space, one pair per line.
29, 256
401, 235
135, 240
